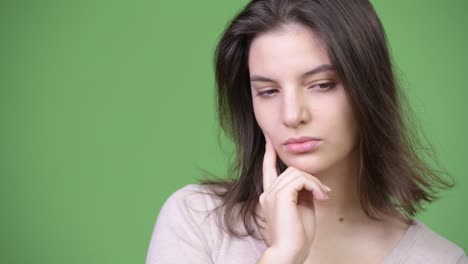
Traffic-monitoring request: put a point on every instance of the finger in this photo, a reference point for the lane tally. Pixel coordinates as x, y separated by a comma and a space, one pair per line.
273, 187
315, 179
290, 174
283, 177
310, 185
290, 191
325, 187
269, 165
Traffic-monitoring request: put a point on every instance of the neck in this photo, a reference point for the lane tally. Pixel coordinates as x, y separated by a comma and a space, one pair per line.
342, 213
343, 206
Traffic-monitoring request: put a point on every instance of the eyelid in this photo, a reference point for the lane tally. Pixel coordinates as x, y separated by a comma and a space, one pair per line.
331, 84
320, 81
265, 92
269, 91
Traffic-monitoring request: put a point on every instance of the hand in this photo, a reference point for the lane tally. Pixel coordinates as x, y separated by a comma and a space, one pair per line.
287, 203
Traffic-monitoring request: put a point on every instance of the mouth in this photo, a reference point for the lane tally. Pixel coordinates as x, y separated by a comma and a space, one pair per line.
300, 140
302, 147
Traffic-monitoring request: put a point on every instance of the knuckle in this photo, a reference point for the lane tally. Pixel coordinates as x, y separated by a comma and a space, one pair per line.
311, 178
262, 198
304, 180
278, 194
285, 193
281, 195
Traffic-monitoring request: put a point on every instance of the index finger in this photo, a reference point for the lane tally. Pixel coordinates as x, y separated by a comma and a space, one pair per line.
269, 165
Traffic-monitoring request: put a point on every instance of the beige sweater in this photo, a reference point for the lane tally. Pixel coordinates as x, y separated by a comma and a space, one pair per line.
183, 234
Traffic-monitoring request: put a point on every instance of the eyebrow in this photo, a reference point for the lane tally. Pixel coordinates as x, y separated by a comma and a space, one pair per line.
320, 68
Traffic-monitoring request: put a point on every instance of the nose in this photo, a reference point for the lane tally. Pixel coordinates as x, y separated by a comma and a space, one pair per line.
294, 109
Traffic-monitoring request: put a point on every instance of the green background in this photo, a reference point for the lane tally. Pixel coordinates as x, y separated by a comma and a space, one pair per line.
107, 107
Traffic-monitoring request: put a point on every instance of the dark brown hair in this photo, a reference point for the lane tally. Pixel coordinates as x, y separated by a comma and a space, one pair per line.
394, 176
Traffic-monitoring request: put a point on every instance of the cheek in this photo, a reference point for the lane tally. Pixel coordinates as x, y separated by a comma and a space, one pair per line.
265, 124
268, 123
264, 117
349, 127
342, 126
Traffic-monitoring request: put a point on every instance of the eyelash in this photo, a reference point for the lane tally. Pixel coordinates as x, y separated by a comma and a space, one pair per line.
266, 93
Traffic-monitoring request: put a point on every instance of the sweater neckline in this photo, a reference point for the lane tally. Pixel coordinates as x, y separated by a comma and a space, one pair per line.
403, 247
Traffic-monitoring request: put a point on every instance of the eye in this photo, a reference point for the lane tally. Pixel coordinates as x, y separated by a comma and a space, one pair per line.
266, 93
321, 86
325, 86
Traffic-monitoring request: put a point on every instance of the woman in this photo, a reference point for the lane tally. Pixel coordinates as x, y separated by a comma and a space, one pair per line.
327, 169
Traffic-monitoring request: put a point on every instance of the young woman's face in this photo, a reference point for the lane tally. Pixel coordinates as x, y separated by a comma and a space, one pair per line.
293, 104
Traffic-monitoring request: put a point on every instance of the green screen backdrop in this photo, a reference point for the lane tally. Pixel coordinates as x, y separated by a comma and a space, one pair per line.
107, 107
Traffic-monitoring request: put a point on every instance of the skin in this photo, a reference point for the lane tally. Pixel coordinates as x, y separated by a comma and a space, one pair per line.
294, 105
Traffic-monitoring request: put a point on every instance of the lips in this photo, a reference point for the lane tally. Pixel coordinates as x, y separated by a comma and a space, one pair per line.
300, 140
302, 144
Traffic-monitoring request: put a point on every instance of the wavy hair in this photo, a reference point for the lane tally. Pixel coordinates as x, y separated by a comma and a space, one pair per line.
394, 177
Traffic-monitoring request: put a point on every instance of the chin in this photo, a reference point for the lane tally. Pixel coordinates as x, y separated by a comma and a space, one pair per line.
307, 163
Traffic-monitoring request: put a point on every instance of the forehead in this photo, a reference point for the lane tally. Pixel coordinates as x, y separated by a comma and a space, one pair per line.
293, 47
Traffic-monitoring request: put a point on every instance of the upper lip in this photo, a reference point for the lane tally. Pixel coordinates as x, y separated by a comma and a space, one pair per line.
300, 140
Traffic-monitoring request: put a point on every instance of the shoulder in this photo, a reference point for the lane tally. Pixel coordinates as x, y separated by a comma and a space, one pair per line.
431, 247
193, 197
183, 228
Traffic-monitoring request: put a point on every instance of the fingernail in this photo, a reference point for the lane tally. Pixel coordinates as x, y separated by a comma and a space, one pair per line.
327, 188
325, 195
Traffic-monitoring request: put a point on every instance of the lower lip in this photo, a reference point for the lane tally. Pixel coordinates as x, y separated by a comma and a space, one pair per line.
303, 147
